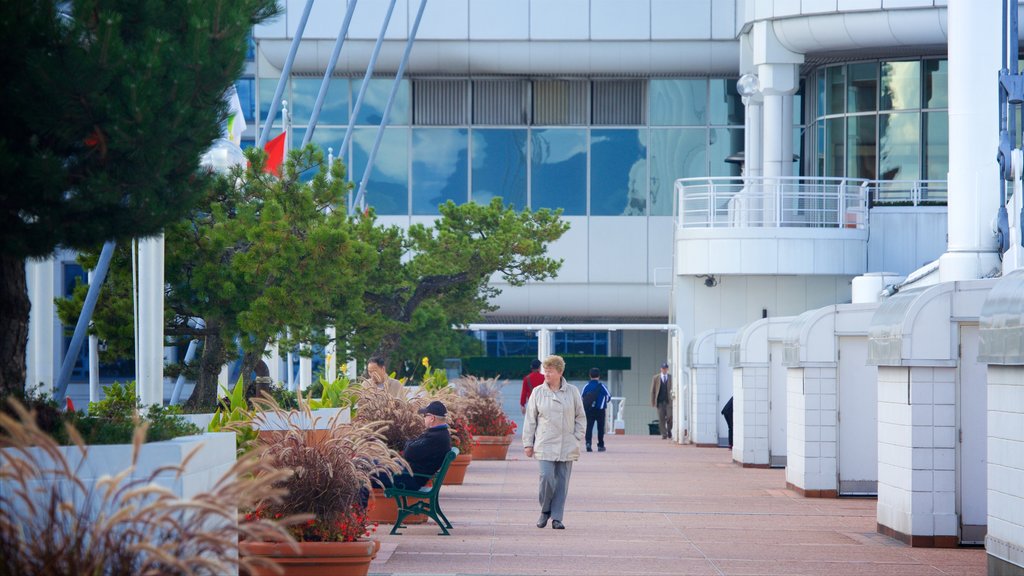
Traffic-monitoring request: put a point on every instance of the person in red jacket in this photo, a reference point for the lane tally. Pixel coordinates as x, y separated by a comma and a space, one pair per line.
530, 381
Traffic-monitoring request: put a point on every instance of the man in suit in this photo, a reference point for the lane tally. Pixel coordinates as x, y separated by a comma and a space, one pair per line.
661, 398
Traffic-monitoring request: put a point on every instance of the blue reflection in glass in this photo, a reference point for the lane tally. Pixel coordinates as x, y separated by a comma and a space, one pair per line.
722, 143
499, 166
376, 97
388, 187
265, 87
675, 153
335, 107
440, 162
679, 102
559, 177
725, 105
618, 173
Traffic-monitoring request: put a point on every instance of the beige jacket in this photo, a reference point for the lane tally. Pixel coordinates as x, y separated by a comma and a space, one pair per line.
656, 385
555, 423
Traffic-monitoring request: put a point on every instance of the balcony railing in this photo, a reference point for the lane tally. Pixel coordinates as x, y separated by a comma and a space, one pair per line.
908, 192
785, 202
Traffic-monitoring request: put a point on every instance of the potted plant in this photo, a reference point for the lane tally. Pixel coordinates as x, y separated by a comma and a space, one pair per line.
491, 428
401, 423
323, 507
81, 509
462, 439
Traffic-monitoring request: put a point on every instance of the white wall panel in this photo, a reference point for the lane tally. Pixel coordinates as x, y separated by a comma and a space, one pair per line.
845, 5
784, 8
612, 258
620, 19
499, 19
818, 6
369, 16
723, 21
668, 19
562, 20
442, 19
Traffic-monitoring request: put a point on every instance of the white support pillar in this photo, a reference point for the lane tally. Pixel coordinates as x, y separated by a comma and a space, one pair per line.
305, 369
42, 351
273, 356
352, 370
222, 381
778, 84
974, 61
150, 378
544, 347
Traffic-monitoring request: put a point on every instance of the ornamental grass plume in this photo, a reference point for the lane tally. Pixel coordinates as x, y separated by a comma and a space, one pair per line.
481, 402
53, 522
401, 420
332, 470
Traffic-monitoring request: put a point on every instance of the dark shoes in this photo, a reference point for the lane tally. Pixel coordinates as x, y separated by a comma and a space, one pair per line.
589, 449
557, 525
601, 449
543, 520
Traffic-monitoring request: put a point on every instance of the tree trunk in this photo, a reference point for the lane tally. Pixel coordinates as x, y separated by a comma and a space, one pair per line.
206, 393
14, 309
249, 361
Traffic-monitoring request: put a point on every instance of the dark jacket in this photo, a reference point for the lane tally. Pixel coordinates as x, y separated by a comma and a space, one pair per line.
595, 395
426, 452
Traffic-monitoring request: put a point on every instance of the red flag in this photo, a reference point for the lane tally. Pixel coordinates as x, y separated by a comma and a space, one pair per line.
275, 155
69, 404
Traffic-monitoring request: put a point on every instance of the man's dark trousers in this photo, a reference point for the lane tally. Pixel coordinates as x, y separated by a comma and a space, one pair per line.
598, 415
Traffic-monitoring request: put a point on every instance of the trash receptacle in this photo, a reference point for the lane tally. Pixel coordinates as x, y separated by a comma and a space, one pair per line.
654, 428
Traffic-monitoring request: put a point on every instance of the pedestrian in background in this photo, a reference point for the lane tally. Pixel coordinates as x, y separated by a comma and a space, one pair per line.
595, 402
661, 398
530, 381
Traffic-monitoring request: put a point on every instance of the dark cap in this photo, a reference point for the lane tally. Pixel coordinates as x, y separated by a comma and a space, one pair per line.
535, 364
664, 364
436, 408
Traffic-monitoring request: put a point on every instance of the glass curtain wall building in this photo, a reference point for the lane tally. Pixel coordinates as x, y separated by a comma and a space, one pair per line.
599, 147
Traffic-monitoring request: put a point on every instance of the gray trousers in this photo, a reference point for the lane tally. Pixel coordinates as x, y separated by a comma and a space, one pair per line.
665, 419
554, 486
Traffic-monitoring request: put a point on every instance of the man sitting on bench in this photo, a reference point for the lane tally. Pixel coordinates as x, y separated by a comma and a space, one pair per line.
426, 452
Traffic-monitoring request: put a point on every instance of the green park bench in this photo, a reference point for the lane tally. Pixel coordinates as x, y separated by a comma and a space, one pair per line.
424, 500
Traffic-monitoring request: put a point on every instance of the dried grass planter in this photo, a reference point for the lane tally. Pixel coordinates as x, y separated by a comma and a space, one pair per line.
314, 558
457, 470
491, 447
383, 510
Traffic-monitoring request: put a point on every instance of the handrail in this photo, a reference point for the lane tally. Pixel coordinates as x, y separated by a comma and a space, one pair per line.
615, 419
778, 202
908, 192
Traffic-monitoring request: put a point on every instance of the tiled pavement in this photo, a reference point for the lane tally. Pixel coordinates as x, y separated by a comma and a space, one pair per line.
647, 506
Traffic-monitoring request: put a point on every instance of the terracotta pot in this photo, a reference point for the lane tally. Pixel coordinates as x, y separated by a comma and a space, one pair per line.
457, 470
384, 511
491, 447
314, 558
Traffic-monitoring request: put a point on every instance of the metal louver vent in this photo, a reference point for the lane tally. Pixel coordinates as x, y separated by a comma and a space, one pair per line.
620, 102
501, 102
440, 102
560, 102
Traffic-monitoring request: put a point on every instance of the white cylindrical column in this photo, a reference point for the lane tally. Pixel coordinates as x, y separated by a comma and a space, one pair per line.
331, 355
150, 379
753, 159
273, 356
974, 61
40, 367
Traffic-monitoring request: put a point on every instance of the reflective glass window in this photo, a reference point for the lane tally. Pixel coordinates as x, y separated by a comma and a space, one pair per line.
835, 89
936, 146
835, 154
440, 168
899, 146
862, 87
821, 143
559, 170
861, 147
819, 93
325, 137
377, 91
618, 173
499, 166
387, 190
675, 153
936, 84
725, 103
900, 85
335, 106
722, 143
265, 88
679, 102
246, 88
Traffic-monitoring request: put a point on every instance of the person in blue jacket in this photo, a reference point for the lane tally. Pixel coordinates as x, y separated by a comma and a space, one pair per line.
595, 403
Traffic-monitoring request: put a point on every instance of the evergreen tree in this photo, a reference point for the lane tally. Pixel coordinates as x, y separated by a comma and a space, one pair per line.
106, 107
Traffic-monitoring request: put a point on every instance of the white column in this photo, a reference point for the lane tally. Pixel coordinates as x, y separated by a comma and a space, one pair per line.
974, 61
94, 363
273, 356
222, 381
778, 84
42, 351
753, 159
150, 379
305, 369
544, 347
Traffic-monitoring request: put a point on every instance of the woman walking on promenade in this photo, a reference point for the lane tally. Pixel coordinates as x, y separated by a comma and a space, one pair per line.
552, 433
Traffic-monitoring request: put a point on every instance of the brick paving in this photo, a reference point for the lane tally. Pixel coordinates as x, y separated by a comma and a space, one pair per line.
647, 506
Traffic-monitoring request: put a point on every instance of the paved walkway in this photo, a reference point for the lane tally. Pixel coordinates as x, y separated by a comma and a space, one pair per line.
648, 506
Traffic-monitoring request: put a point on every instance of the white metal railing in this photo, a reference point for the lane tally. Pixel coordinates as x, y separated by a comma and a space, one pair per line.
908, 192
615, 419
784, 202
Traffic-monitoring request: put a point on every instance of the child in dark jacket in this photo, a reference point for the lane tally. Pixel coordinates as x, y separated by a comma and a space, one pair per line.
595, 403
